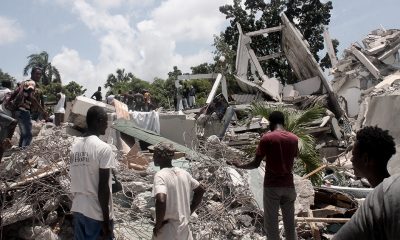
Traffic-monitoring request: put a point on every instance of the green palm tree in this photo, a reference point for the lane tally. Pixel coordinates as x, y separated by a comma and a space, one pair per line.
120, 77
296, 122
49, 72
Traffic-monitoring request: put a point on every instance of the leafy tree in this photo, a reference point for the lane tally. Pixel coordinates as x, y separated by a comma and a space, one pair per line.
309, 16
6, 77
203, 88
73, 89
224, 57
170, 85
120, 76
50, 73
203, 68
50, 91
296, 122
159, 93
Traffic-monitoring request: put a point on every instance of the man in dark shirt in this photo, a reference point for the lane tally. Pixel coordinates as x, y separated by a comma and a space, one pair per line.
139, 101
97, 95
379, 215
279, 147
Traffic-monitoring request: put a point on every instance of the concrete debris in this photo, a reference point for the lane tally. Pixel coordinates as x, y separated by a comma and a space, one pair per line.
37, 232
34, 182
363, 68
305, 195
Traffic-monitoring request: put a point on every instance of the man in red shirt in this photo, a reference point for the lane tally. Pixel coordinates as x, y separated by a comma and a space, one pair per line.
279, 147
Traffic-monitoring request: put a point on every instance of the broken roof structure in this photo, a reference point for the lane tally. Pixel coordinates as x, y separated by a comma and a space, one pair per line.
365, 67
312, 80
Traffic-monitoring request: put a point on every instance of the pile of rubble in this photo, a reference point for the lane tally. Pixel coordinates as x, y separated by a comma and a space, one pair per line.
363, 69
35, 198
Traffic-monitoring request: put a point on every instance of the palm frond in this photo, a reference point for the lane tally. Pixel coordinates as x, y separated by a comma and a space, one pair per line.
310, 115
295, 122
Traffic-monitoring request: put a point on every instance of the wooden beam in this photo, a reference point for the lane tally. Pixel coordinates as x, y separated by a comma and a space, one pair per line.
303, 62
197, 76
389, 53
268, 57
264, 31
314, 229
331, 50
224, 88
366, 62
324, 220
315, 171
255, 61
214, 89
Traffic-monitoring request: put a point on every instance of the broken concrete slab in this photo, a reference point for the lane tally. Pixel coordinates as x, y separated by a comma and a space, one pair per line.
178, 128
80, 107
309, 86
383, 112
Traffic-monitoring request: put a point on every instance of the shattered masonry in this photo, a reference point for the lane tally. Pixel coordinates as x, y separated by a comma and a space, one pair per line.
35, 199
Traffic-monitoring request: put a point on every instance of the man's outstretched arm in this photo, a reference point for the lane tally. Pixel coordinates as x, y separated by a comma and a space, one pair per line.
104, 198
250, 165
197, 197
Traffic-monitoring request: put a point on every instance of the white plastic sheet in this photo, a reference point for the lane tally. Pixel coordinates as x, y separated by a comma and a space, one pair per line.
146, 120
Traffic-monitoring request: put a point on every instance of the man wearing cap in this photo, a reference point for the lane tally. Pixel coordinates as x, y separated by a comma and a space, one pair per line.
173, 188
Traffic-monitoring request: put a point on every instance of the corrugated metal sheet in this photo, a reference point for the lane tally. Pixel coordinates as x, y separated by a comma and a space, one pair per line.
128, 127
246, 98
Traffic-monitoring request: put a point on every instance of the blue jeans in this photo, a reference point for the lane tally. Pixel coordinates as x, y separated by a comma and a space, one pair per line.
87, 228
25, 127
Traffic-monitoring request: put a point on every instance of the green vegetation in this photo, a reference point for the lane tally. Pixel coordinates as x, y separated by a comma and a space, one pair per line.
50, 73
296, 122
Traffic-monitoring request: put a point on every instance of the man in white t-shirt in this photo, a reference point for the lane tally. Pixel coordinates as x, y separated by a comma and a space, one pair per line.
59, 109
91, 163
173, 189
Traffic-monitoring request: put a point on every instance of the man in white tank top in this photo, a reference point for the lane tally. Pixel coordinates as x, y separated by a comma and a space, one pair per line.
59, 109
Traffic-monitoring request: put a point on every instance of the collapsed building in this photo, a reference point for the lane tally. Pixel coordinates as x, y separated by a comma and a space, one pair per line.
35, 199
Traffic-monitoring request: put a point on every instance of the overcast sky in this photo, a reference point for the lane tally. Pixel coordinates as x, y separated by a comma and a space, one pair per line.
87, 40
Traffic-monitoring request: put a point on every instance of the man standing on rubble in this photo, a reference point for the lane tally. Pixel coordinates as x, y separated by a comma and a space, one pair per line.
91, 163
279, 147
20, 103
97, 95
173, 188
379, 215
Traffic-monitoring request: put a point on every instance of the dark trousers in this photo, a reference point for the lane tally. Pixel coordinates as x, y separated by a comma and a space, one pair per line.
58, 118
275, 197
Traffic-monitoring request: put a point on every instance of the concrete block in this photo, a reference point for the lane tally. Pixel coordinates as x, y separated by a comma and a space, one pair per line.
272, 86
384, 111
309, 86
178, 128
336, 129
352, 96
287, 90
80, 108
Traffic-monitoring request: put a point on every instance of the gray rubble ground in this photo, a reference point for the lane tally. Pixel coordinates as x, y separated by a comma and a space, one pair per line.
229, 209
